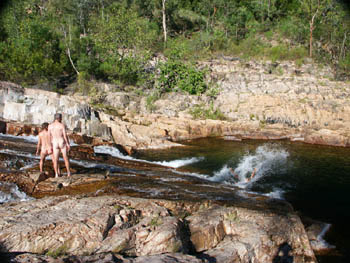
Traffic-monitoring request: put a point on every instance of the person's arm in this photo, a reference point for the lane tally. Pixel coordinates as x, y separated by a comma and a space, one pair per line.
66, 137
38, 146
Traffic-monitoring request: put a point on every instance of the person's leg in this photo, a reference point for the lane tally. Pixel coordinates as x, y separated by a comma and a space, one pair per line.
55, 156
42, 160
66, 159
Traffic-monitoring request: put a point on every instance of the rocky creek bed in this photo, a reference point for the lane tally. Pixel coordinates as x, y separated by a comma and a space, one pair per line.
90, 217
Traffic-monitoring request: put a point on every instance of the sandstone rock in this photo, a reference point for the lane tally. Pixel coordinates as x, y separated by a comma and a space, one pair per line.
35, 258
39, 177
79, 226
248, 235
100, 258
139, 227
273, 102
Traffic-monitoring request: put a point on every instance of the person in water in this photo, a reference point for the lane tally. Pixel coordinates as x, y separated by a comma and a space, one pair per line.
237, 177
44, 144
60, 143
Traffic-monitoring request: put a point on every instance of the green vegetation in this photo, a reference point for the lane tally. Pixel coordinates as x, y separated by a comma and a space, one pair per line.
203, 112
112, 41
61, 251
156, 221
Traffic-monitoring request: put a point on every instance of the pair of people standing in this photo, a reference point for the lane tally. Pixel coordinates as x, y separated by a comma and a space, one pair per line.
53, 139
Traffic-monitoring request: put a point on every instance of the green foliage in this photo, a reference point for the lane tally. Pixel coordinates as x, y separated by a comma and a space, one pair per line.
153, 97
175, 76
156, 221
61, 251
203, 112
41, 41
283, 52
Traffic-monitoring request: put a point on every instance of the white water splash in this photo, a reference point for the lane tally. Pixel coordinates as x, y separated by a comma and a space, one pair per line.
113, 151
29, 138
21, 154
266, 158
180, 162
321, 240
9, 192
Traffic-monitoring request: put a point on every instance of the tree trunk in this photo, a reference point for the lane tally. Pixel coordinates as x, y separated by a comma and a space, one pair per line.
312, 22
68, 49
342, 47
311, 32
310, 40
164, 21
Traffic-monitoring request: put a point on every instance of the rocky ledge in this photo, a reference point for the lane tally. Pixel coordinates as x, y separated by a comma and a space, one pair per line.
125, 229
259, 100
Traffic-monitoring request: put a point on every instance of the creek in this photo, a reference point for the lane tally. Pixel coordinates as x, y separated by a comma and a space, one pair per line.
314, 179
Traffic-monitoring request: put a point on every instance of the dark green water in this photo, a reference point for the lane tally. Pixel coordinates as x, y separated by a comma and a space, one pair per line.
314, 179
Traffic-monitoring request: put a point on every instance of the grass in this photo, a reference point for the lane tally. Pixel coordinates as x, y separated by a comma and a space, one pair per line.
156, 221
203, 112
62, 250
233, 217
150, 100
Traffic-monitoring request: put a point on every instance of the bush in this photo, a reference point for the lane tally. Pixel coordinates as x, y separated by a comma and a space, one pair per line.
175, 76
203, 112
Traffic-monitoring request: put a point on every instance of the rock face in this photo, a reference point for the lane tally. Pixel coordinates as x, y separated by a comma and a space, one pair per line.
79, 226
259, 101
32, 106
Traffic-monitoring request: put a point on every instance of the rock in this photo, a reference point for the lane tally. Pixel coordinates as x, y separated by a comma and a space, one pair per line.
79, 226
100, 258
39, 177
316, 232
168, 258
248, 235
98, 226
22, 180
284, 104
35, 258
26, 106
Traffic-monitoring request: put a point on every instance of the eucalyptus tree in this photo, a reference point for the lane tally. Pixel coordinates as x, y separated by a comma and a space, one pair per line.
315, 11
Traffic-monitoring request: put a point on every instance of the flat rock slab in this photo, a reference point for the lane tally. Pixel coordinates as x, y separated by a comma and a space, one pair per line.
149, 230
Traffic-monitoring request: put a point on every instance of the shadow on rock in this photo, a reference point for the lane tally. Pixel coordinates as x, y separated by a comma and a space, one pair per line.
283, 254
208, 258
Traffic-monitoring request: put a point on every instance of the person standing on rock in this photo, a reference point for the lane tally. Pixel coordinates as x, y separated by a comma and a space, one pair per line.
44, 145
60, 143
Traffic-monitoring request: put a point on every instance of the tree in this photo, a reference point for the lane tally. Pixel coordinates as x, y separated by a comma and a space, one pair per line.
313, 9
164, 20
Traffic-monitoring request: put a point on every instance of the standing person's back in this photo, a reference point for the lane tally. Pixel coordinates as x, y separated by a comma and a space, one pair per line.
60, 143
44, 144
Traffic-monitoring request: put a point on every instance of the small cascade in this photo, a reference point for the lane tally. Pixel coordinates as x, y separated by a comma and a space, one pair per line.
113, 151
9, 192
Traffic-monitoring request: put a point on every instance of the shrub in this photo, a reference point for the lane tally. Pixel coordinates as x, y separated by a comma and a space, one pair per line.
175, 76
203, 112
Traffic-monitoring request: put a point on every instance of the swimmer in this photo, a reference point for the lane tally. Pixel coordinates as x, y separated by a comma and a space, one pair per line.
236, 175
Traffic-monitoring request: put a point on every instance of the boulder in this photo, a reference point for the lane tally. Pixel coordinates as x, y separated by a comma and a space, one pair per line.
145, 228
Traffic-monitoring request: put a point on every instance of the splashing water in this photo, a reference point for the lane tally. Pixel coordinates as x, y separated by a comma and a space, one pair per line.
9, 192
266, 159
104, 149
